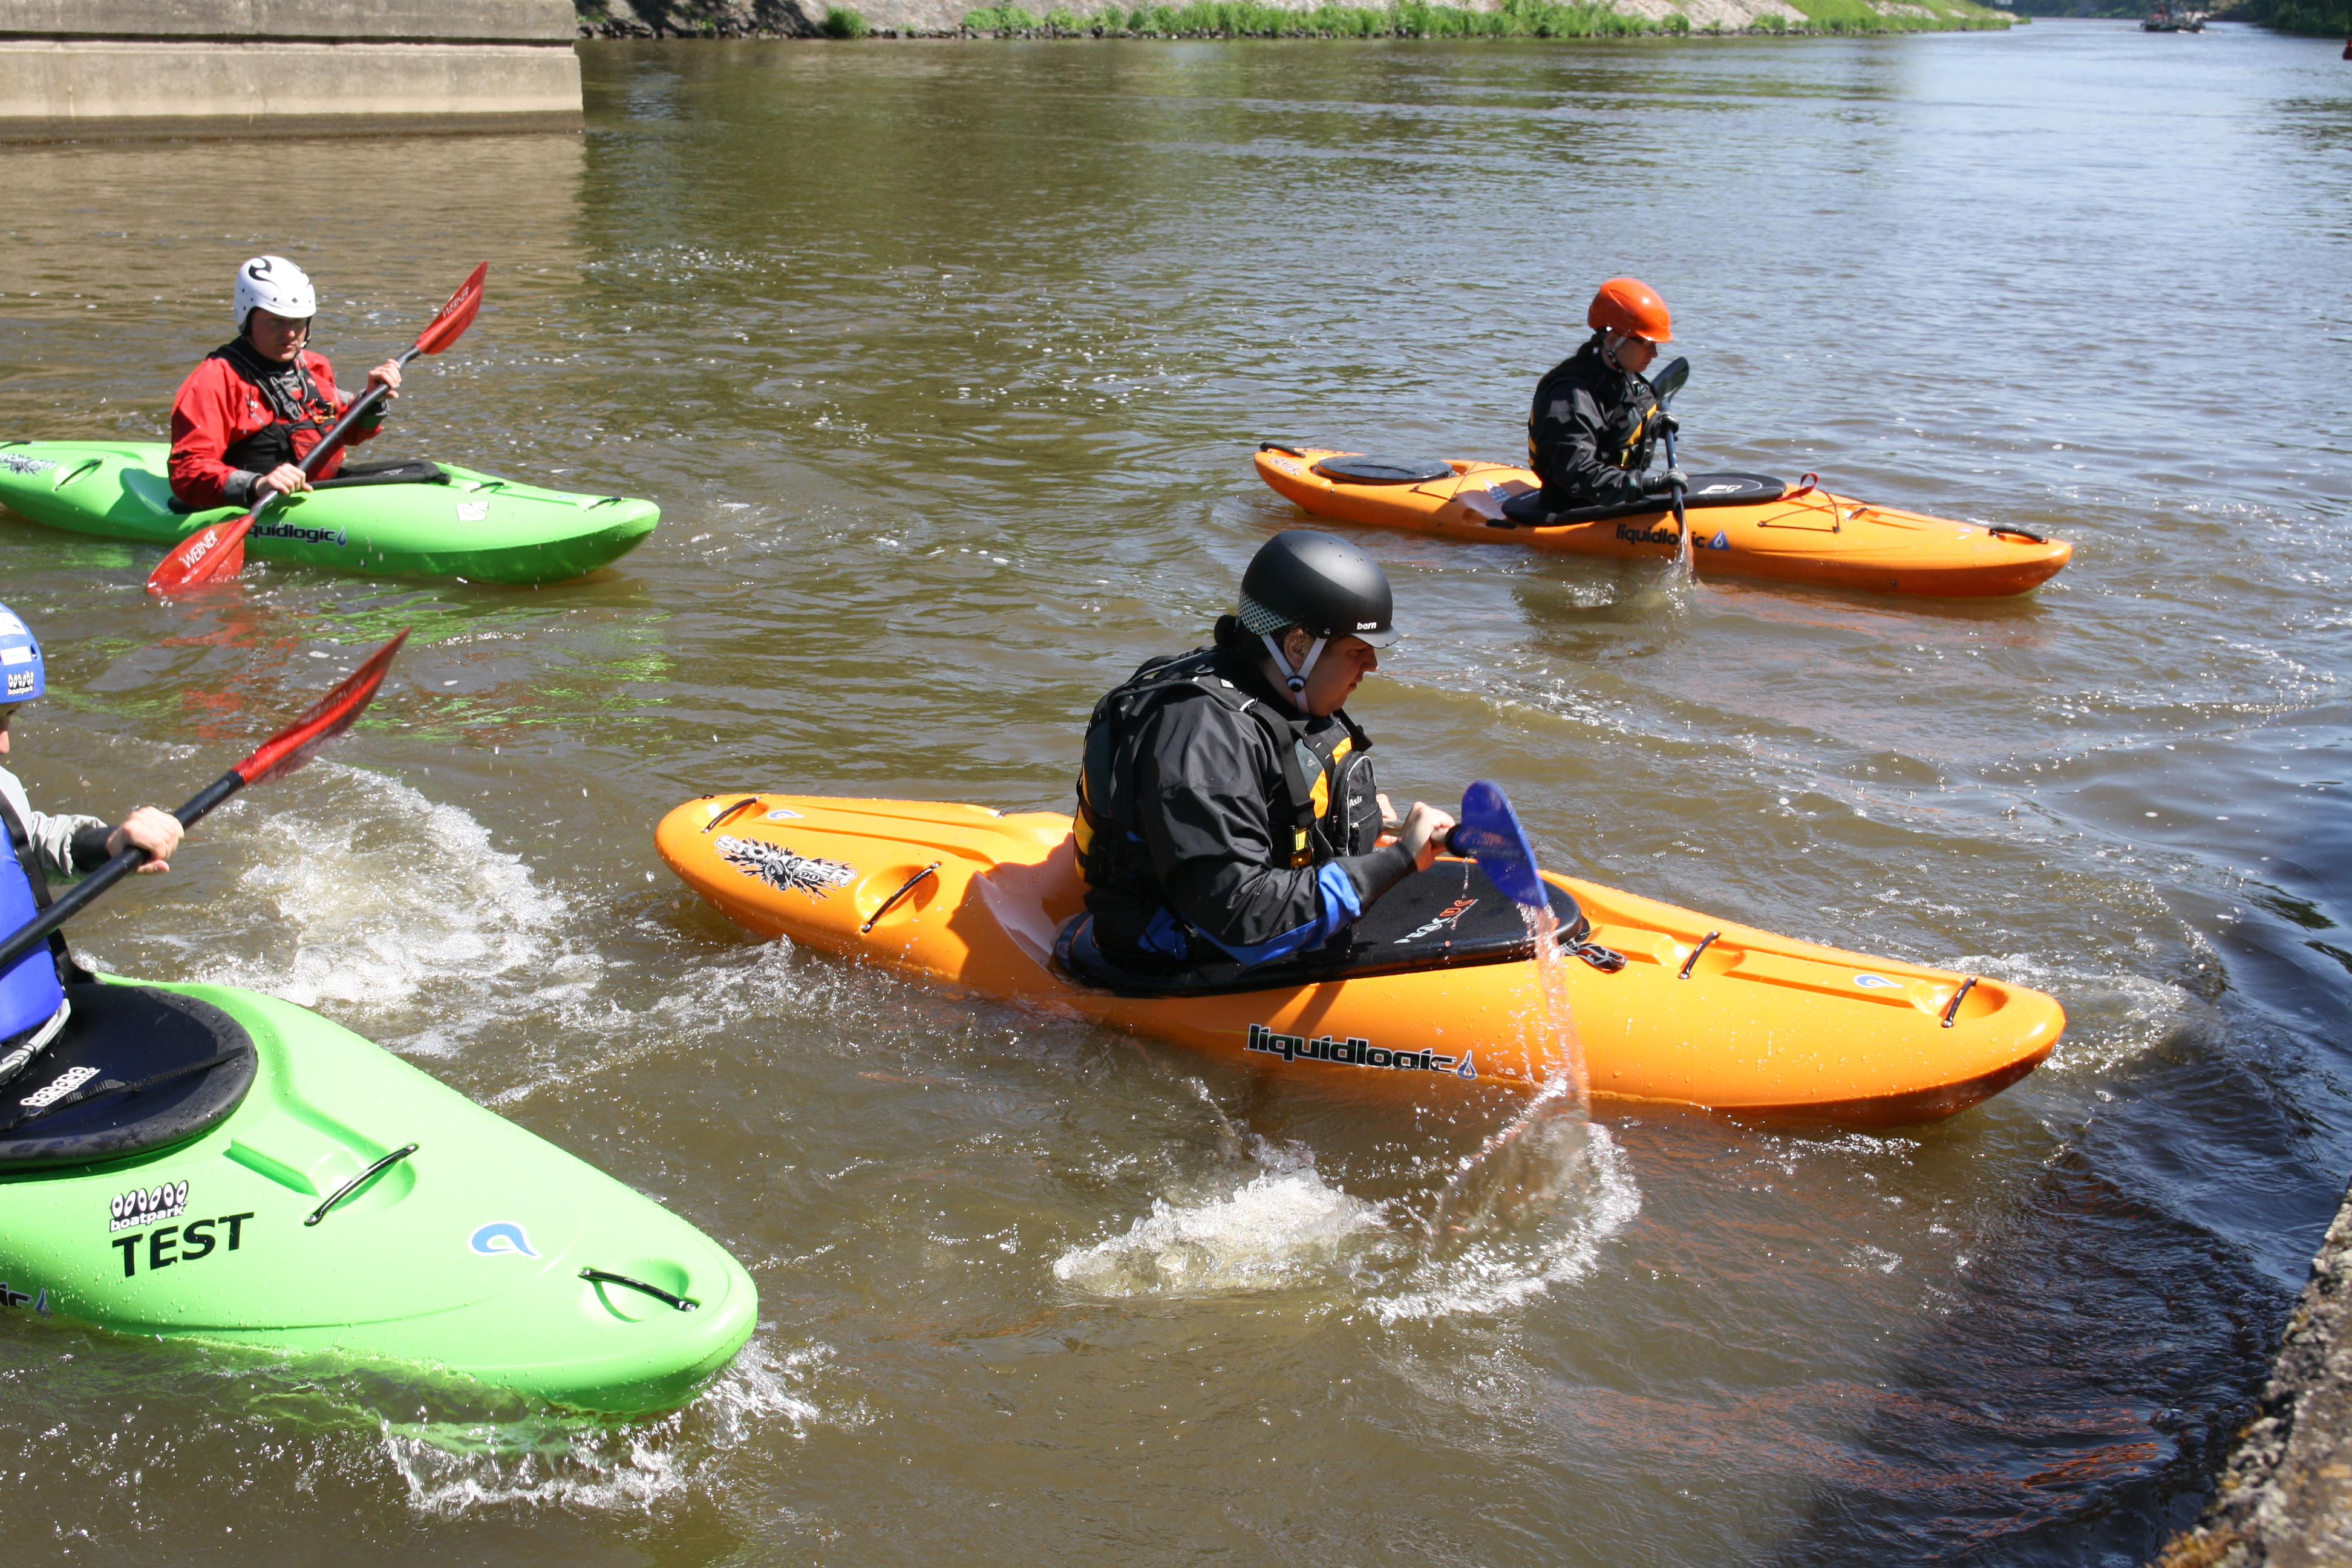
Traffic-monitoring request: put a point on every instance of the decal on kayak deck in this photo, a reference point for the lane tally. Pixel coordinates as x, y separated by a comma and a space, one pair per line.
146, 1205
1450, 916
1722, 541
1632, 535
780, 868
473, 512
334, 536
1877, 983
502, 1235
1352, 1052
12, 1297
173, 1244
57, 1087
782, 815
16, 465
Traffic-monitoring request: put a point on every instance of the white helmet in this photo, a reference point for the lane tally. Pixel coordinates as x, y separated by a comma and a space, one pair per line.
276, 285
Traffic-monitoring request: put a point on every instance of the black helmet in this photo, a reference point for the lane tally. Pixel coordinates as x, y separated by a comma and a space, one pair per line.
1301, 578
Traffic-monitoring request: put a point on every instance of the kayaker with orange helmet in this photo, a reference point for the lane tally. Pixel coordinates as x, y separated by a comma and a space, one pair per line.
1590, 433
248, 415
1226, 807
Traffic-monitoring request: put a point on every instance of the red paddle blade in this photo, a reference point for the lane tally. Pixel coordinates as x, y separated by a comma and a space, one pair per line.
321, 722
214, 554
451, 321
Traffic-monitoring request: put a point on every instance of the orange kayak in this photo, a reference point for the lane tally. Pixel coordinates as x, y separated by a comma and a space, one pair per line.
1699, 1011
1742, 524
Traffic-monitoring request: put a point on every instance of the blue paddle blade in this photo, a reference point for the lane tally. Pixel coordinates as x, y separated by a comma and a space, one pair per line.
1489, 832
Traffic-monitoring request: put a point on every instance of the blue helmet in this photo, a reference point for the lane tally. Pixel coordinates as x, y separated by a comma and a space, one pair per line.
20, 659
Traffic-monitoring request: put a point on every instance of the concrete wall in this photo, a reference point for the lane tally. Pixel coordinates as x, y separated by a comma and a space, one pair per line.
72, 68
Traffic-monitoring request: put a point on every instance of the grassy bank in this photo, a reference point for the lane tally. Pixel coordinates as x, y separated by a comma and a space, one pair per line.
1417, 19
2316, 19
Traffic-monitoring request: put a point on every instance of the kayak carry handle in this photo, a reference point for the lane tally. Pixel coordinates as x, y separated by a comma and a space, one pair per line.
2017, 533
720, 816
362, 1180
1704, 944
1957, 997
904, 888
606, 1277
1279, 446
1805, 486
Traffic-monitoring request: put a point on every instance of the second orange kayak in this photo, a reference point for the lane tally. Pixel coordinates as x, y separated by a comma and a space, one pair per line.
1742, 524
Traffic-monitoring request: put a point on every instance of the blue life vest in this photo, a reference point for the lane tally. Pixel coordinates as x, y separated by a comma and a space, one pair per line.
30, 993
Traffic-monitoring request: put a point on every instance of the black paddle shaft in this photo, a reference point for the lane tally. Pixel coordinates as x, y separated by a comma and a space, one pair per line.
352, 415
79, 897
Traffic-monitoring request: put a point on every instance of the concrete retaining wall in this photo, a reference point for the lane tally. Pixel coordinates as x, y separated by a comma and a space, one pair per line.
71, 68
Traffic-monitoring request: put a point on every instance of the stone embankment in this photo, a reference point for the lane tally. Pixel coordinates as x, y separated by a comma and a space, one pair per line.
944, 18
147, 67
2284, 1498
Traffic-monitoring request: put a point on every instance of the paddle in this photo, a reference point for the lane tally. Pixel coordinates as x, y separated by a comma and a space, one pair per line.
217, 553
273, 759
1488, 831
1668, 381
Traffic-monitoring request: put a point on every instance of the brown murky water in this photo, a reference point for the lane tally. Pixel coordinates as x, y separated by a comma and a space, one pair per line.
944, 363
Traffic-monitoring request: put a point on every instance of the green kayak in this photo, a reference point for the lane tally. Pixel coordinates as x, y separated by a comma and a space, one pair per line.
203, 1162
462, 524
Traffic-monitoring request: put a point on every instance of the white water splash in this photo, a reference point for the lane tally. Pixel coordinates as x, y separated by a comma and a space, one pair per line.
579, 1462
1284, 1228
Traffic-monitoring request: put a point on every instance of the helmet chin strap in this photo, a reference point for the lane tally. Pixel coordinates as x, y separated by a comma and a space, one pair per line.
1296, 678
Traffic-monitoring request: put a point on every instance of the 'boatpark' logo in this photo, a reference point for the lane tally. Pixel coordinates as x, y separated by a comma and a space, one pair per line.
21, 681
1354, 1052
149, 1204
780, 868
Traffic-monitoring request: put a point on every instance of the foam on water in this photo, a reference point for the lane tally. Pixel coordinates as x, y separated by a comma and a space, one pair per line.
577, 1462
1282, 1228
1286, 1228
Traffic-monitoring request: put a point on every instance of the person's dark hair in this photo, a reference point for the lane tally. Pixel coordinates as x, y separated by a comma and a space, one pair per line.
1231, 636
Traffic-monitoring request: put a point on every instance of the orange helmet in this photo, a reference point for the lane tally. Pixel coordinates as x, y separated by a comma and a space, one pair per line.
1630, 306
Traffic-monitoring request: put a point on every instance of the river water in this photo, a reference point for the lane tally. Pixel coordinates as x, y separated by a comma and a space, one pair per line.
944, 362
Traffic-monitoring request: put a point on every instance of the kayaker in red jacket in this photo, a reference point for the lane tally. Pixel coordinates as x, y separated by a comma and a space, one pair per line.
247, 416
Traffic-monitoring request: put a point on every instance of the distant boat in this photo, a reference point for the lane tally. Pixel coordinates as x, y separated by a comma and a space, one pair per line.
2165, 19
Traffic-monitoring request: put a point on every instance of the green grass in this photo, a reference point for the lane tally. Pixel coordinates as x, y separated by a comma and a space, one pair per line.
841, 21
1425, 19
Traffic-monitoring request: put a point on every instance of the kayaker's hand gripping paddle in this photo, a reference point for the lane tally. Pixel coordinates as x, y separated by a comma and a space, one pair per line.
1488, 831
273, 759
217, 553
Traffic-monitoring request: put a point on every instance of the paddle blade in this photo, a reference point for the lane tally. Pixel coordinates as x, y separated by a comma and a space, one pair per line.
1489, 832
450, 321
1669, 381
214, 554
321, 722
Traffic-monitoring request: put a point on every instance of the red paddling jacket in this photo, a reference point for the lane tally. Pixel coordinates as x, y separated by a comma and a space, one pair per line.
238, 416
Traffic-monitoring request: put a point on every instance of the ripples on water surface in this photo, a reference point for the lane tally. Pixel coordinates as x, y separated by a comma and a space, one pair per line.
944, 363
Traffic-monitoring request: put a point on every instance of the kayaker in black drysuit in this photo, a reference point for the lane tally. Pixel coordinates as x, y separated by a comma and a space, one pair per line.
1595, 419
48, 848
1226, 807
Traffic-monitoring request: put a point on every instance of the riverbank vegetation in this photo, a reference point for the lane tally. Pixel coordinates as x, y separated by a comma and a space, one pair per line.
1421, 19
1255, 19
